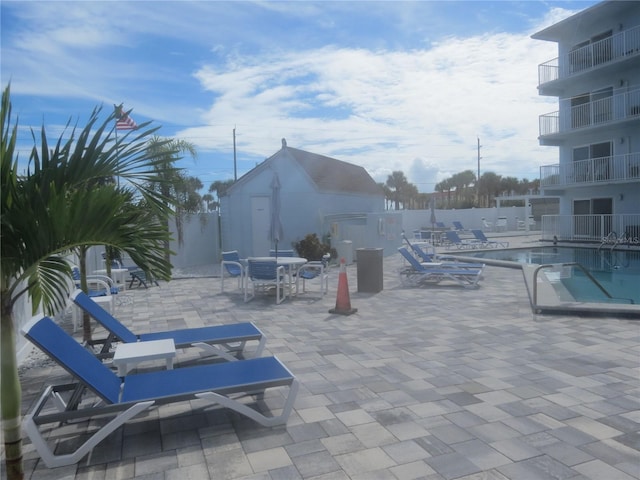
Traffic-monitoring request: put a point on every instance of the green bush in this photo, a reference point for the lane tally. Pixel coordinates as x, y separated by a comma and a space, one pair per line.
311, 248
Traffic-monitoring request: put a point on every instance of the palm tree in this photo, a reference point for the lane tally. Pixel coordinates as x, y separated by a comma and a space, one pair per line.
207, 198
49, 211
220, 187
171, 182
489, 187
397, 182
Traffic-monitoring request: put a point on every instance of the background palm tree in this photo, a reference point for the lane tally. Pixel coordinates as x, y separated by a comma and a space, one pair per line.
49, 211
397, 183
171, 182
220, 188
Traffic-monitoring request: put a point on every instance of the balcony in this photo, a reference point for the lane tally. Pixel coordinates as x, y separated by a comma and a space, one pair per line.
595, 113
603, 170
618, 47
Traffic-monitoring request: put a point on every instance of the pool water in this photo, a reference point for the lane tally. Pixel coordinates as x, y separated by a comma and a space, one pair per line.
617, 271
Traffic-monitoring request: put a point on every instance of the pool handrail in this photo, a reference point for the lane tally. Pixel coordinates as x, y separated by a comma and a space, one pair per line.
571, 264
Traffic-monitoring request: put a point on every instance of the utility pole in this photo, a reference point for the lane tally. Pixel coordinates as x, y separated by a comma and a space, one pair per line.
478, 182
235, 168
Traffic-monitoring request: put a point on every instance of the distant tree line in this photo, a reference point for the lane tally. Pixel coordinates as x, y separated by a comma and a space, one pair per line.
461, 190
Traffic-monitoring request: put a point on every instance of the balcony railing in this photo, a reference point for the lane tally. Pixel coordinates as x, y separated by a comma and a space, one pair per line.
617, 168
594, 55
621, 230
616, 107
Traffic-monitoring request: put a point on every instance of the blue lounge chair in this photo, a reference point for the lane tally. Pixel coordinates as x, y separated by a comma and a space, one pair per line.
127, 397
455, 241
458, 227
426, 257
482, 238
219, 340
419, 252
418, 274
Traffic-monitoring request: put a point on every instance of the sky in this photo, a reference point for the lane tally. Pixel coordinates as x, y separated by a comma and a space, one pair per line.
387, 85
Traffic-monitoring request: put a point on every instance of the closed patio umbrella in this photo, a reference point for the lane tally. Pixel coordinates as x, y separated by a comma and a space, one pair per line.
432, 206
275, 225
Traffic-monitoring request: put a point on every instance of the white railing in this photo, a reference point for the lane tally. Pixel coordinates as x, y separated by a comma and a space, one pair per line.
618, 106
594, 55
617, 168
592, 228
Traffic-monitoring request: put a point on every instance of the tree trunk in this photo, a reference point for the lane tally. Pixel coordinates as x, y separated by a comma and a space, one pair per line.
86, 319
10, 393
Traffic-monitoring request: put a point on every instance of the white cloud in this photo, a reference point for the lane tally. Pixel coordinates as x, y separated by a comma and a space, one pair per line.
406, 98
390, 107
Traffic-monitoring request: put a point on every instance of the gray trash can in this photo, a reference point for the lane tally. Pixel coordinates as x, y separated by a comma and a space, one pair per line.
369, 267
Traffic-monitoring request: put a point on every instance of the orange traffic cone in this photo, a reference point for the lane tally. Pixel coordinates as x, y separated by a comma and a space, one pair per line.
343, 303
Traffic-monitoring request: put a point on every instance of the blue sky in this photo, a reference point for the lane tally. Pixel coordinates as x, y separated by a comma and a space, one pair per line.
386, 85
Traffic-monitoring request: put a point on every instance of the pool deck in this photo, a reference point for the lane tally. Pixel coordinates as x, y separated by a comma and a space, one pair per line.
432, 383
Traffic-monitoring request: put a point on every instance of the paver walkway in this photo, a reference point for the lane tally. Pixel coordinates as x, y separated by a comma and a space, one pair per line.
430, 383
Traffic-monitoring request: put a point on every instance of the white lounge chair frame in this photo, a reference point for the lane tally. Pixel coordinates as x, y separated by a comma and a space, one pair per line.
263, 373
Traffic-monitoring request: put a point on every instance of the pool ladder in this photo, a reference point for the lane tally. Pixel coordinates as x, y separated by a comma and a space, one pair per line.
611, 239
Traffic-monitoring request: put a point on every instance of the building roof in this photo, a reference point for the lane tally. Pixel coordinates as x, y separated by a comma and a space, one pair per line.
583, 18
334, 175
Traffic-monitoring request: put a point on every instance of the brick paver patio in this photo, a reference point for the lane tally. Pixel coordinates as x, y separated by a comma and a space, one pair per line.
430, 383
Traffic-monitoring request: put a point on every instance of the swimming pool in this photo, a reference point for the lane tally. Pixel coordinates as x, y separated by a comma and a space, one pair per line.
617, 271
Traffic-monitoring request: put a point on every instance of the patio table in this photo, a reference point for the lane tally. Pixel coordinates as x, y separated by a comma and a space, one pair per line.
128, 355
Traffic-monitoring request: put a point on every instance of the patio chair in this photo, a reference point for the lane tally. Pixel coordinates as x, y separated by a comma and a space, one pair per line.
455, 241
139, 275
263, 275
231, 264
100, 287
127, 397
522, 224
482, 238
501, 224
220, 340
419, 274
315, 269
488, 226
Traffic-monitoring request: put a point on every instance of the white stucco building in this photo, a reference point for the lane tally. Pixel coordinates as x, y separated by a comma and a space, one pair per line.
596, 78
317, 195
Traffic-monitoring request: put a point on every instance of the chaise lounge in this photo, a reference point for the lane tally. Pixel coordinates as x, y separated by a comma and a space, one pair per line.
419, 274
220, 340
486, 243
127, 397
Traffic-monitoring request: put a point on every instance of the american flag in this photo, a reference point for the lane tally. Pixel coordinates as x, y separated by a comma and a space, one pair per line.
123, 120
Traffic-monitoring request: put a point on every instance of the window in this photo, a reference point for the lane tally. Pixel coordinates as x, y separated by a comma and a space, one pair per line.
598, 49
592, 162
592, 108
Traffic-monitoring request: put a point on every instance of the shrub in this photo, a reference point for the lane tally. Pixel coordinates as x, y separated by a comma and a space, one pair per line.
311, 248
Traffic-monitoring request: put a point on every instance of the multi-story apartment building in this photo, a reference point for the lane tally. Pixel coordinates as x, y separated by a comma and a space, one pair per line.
596, 128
